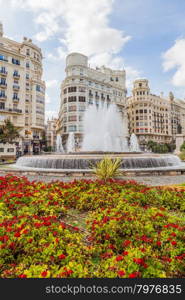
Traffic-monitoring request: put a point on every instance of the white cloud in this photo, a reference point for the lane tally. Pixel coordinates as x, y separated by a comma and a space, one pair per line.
82, 25
174, 58
51, 83
131, 75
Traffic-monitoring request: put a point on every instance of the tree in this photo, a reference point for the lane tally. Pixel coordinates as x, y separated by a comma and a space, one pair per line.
8, 132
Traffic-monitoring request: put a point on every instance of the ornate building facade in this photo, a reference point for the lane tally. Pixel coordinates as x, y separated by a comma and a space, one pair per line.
84, 86
22, 91
153, 117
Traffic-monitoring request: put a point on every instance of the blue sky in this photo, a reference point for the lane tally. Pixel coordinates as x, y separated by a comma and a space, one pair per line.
146, 37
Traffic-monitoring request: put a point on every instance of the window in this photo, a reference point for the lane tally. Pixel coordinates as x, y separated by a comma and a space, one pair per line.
117, 79
27, 65
27, 51
72, 128
72, 89
1, 149
3, 57
81, 99
81, 108
65, 91
10, 150
72, 118
27, 76
2, 105
81, 89
72, 108
72, 99
15, 61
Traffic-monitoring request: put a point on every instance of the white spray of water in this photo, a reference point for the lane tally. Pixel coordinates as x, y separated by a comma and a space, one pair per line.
104, 129
71, 142
134, 145
59, 147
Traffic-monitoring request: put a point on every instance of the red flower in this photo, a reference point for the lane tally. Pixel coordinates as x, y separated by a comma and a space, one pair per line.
119, 258
121, 273
44, 273
30, 240
134, 275
158, 243
126, 243
107, 237
17, 234
62, 256
174, 243
12, 245
125, 253
22, 276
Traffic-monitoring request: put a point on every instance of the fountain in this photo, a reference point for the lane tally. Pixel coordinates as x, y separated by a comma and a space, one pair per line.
134, 145
104, 132
71, 143
104, 129
59, 147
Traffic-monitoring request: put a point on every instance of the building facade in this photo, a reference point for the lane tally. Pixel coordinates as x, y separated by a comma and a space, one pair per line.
22, 91
84, 86
51, 133
153, 117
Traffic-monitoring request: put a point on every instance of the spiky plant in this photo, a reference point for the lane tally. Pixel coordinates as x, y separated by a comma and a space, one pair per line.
107, 168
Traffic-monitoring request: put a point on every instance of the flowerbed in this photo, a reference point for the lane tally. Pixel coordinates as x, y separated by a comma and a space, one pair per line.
90, 229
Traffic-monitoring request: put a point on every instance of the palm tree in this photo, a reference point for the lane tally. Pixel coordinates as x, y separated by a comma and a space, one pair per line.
8, 132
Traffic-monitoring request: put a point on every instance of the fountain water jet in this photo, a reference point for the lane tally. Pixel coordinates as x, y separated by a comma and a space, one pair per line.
134, 145
59, 147
104, 129
71, 143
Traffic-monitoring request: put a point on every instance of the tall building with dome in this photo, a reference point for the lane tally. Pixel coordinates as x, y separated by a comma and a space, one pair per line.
84, 86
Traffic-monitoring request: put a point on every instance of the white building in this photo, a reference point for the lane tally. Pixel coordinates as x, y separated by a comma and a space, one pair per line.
22, 91
83, 86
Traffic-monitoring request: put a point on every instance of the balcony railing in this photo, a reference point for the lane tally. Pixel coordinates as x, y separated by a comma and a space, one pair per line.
3, 84
3, 73
11, 110
15, 99
16, 87
3, 97
16, 75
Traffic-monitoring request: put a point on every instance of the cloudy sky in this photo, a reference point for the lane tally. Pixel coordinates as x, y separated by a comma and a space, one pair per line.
145, 37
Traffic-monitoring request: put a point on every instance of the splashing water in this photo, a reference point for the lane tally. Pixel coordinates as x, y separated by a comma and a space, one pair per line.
134, 145
59, 147
104, 129
71, 142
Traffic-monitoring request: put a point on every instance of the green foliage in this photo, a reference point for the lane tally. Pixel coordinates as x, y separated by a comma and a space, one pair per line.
9, 133
182, 155
182, 147
107, 168
131, 230
160, 148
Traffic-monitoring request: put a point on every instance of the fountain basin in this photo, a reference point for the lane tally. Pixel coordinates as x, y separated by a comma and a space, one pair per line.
84, 161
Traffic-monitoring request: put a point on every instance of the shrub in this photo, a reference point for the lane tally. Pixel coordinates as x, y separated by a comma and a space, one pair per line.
107, 168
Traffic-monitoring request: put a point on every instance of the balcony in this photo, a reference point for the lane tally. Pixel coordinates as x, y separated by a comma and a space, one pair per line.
3, 73
13, 110
16, 75
3, 97
3, 85
15, 99
16, 87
